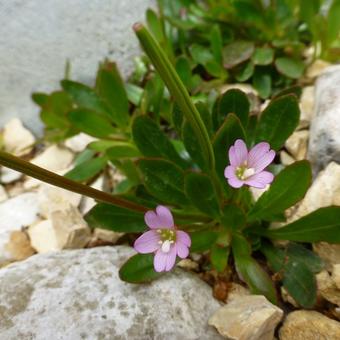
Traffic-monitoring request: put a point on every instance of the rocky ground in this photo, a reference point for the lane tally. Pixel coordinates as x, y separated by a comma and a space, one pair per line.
51, 287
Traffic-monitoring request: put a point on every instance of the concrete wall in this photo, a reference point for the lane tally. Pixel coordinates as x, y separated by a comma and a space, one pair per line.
38, 36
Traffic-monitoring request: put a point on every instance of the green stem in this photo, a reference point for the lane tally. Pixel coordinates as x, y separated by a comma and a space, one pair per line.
44, 175
177, 90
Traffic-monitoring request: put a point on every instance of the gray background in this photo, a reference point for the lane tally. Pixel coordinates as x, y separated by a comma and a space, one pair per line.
38, 36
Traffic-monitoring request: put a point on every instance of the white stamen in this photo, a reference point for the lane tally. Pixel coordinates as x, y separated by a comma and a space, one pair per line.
166, 246
160, 242
248, 172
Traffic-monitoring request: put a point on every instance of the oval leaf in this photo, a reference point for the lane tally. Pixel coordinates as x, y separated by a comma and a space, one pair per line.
152, 141
278, 121
87, 169
164, 180
201, 192
289, 67
320, 225
139, 269
251, 272
202, 240
289, 187
90, 122
233, 101
115, 218
111, 89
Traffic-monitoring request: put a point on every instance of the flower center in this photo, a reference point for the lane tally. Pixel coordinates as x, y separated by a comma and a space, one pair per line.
242, 172
167, 238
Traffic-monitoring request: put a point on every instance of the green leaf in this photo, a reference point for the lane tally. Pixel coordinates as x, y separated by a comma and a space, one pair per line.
139, 269
233, 217
245, 71
102, 145
177, 90
232, 101
90, 122
201, 192
193, 148
152, 141
289, 187
115, 218
216, 42
295, 90
155, 25
278, 121
219, 257
224, 138
134, 93
183, 69
263, 56
333, 30
262, 82
300, 253
111, 89
83, 96
251, 272
153, 96
320, 225
164, 180
202, 240
298, 277
237, 52
122, 150
289, 67
87, 169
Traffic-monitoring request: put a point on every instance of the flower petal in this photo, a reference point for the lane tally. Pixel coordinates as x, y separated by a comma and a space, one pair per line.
229, 171
171, 259
256, 153
233, 160
161, 219
151, 219
160, 260
264, 161
147, 243
165, 217
241, 151
183, 237
235, 182
260, 180
182, 250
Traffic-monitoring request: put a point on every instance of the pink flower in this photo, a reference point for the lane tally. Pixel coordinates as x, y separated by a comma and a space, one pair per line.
163, 239
248, 167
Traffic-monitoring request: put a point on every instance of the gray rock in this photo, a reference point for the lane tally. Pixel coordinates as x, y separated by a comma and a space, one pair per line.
37, 37
324, 139
77, 294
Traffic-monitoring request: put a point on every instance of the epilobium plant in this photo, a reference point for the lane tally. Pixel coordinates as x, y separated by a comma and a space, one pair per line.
188, 178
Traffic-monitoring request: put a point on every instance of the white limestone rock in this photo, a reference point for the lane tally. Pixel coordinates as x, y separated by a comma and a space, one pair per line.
307, 102
303, 325
3, 194
66, 229
16, 213
54, 158
324, 139
250, 317
53, 198
297, 143
8, 175
17, 139
324, 191
330, 253
79, 142
78, 295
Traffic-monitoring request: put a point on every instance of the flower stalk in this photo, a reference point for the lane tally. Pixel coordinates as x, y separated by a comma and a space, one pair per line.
177, 90
44, 175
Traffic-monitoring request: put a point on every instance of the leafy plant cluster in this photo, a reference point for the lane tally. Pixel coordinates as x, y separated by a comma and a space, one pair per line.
169, 131
259, 42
